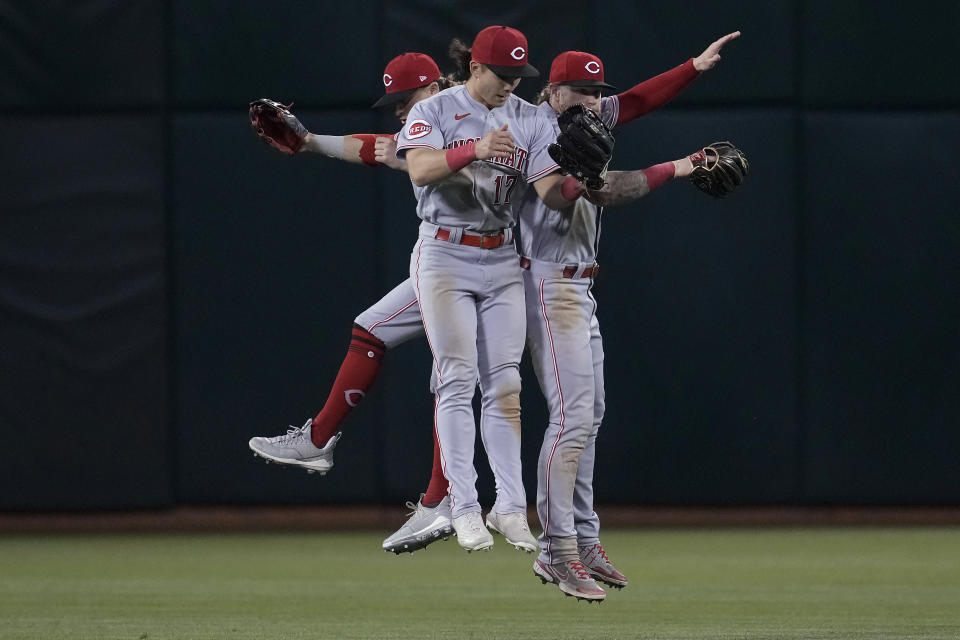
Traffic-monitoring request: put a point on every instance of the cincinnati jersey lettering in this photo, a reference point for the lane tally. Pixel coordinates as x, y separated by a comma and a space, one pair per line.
516, 161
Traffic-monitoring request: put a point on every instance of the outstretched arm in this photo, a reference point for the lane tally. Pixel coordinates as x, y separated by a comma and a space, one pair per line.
358, 148
276, 126
652, 94
627, 186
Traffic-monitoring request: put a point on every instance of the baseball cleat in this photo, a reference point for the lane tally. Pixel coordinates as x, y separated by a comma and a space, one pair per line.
424, 526
296, 449
514, 528
571, 577
595, 559
471, 534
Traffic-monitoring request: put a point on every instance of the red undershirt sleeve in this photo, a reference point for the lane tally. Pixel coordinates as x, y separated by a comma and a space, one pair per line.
655, 92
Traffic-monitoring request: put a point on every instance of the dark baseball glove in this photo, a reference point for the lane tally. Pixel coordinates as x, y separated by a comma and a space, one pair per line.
276, 126
718, 169
584, 146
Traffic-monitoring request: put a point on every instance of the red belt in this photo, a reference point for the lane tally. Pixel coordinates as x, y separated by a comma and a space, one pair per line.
568, 272
484, 242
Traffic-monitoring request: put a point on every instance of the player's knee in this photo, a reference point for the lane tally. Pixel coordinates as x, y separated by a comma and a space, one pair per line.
570, 453
501, 394
591, 440
504, 383
457, 386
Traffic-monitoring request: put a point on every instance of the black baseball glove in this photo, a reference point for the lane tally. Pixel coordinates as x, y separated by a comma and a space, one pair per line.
584, 147
718, 169
276, 126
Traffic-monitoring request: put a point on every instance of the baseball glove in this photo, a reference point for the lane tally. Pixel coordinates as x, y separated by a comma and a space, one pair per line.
584, 147
718, 169
276, 126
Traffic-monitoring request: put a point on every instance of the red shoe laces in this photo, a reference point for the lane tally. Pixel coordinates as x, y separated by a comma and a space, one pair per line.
595, 552
580, 569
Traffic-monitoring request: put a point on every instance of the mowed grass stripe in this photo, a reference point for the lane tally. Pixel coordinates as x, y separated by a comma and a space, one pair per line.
685, 583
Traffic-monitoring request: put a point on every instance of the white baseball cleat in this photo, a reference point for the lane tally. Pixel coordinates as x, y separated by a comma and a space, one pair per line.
572, 577
471, 534
425, 525
595, 559
514, 528
295, 448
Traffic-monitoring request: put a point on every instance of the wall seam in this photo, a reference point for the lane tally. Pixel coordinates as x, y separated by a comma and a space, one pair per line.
800, 262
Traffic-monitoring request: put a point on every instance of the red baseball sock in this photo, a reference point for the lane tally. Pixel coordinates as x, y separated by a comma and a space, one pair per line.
438, 486
357, 374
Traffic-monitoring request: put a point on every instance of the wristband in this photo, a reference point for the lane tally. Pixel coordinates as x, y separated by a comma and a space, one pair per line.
658, 174
461, 156
571, 189
368, 148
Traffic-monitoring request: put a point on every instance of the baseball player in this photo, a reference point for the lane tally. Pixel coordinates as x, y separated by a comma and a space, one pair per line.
558, 254
407, 79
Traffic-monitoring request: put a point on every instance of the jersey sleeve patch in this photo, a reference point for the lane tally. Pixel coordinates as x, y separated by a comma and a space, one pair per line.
421, 130
418, 129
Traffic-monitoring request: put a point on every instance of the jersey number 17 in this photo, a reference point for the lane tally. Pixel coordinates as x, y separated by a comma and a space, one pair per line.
505, 185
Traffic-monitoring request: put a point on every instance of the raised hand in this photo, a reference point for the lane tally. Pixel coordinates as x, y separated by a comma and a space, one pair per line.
711, 55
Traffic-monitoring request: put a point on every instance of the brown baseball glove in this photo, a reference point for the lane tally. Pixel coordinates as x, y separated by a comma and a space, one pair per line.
718, 169
276, 126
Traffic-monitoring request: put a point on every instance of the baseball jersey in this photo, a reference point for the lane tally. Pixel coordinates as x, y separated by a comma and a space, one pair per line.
569, 236
483, 195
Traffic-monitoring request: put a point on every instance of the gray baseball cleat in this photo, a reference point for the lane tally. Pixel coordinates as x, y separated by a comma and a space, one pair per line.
295, 448
471, 534
572, 577
595, 559
514, 528
425, 525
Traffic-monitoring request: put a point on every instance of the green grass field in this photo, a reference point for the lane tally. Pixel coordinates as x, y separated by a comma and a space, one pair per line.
685, 583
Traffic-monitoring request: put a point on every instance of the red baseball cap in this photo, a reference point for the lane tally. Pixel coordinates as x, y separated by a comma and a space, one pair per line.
404, 74
504, 50
578, 69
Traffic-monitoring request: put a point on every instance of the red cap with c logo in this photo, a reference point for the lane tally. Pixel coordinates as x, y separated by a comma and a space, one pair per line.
578, 69
504, 50
405, 73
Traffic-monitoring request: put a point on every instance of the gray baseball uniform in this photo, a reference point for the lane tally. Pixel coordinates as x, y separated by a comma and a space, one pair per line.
395, 318
471, 298
559, 251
